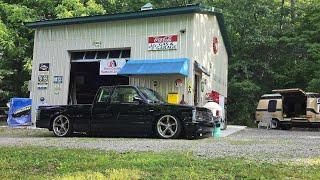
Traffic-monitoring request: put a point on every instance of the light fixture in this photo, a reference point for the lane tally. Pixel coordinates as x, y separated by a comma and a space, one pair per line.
183, 30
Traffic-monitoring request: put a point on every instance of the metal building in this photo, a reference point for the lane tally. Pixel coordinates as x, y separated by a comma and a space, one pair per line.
181, 50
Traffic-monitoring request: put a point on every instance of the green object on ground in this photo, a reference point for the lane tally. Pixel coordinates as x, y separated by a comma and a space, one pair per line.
217, 130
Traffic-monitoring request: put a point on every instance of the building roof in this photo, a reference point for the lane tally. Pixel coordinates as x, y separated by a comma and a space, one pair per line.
196, 8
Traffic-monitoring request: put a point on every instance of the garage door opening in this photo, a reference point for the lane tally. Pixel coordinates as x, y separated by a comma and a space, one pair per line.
85, 78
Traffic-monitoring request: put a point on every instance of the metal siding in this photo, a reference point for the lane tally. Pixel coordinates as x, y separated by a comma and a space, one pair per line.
207, 27
166, 84
53, 43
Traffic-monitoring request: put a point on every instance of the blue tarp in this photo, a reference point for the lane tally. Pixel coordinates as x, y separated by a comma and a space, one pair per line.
156, 66
19, 112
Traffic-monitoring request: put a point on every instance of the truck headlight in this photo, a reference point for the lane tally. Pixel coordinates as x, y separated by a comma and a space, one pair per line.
194, 112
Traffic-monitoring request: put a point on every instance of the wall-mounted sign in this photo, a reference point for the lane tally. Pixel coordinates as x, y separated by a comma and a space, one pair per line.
189, 86
215, 45
155, 83
111, 66
202, 86
160, 43
178, 82
57, 79
44, 67
97, 44
43, 81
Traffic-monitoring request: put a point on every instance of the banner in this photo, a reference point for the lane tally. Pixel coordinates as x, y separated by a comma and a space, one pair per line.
19, 112
111, 66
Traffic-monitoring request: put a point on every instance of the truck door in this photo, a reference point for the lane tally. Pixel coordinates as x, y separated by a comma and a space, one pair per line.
131, 115
102, 117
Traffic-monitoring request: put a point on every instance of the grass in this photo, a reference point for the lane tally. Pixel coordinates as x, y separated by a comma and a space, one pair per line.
21, 132
53, 163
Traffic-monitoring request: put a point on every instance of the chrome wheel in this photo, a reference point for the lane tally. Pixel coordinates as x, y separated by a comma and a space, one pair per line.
61, 125
167, 126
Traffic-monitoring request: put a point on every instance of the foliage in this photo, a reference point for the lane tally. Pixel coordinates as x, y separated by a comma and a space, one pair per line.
28, 163
276, 44
75, 8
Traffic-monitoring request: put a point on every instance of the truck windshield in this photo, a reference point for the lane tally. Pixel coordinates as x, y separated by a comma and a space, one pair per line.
151, 95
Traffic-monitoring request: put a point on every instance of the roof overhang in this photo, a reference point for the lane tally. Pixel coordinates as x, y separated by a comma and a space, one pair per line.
197, 8
179, 66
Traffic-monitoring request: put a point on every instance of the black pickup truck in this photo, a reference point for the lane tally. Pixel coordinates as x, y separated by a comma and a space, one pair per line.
127, 110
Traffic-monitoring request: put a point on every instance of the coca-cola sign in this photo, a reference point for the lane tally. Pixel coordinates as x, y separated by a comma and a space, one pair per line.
159, 43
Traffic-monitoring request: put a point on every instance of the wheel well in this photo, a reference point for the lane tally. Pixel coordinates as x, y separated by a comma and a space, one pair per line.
170, 114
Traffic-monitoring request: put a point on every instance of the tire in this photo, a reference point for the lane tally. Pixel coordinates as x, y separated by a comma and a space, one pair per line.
168, 127
61, 126
275, 123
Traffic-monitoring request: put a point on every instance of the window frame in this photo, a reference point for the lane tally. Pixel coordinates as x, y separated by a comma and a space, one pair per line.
274, 107
116, 88
98, 96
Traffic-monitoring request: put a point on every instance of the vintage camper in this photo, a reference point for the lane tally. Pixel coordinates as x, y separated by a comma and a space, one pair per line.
289, 107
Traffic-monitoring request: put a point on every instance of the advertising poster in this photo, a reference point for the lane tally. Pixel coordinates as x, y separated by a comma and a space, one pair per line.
111, 66
43, 81
160, 43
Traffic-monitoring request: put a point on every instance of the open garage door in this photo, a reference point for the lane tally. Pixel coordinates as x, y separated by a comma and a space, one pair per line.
85, 77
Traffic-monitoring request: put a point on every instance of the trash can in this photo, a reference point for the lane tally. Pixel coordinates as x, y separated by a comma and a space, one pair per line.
217, 130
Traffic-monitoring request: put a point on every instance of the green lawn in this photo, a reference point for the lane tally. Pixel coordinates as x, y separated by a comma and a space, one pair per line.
51, 163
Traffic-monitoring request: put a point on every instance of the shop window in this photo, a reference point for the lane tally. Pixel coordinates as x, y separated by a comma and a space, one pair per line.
97, 55
77, 55
90, 55
125, 54
115, 54
102, 54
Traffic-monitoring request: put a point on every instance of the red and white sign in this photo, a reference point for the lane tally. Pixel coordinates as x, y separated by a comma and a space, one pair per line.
160, 43
215, 45
111, 66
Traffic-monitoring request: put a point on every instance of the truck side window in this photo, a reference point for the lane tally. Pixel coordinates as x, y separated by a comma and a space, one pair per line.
124, 95
272, 106
104, 95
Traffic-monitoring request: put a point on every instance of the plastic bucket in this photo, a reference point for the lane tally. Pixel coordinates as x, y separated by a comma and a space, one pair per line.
217, 130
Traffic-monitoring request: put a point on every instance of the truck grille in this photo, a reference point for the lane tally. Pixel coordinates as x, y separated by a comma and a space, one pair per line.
204, 116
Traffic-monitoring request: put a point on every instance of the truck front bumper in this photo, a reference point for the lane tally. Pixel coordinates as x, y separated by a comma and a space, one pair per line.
195, 130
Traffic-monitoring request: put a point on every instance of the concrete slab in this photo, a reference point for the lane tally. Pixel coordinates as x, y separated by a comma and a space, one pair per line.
231, 129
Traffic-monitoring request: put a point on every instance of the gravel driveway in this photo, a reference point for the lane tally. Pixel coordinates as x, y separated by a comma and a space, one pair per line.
258, 144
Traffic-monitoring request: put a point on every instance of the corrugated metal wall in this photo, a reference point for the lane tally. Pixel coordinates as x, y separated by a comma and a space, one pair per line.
205, 28
52, 45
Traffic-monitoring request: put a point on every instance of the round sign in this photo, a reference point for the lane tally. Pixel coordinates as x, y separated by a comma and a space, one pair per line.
178, 82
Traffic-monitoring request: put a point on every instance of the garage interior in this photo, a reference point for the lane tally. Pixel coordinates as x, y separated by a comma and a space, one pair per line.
85, 79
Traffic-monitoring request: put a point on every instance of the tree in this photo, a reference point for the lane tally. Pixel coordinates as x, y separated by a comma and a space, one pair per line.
76, 8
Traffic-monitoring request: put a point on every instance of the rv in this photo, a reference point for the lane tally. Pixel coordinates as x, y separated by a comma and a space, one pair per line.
289, 107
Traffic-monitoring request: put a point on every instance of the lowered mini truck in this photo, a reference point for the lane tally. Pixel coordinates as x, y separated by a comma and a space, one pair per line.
127, 110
